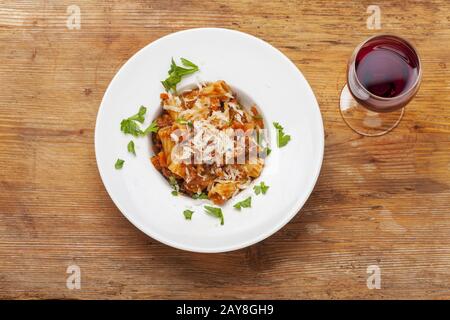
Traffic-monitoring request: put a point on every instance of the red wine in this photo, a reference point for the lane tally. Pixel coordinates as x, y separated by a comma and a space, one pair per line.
384, 73
386, 68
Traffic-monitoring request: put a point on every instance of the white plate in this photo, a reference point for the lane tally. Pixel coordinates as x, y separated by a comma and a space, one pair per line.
266, 76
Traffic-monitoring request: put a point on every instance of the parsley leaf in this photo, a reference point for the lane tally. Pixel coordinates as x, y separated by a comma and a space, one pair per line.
247, 203
268, 151
176, 73
262, 188
130, 147
153, 127
259, 137
188, 214
201, 195
282, 139
182, 121
215, 212
129, 126
140, 115
278, 126
119, 164
187, 63
174, 183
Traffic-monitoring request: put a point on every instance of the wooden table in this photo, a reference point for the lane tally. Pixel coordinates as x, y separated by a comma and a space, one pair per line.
379, 201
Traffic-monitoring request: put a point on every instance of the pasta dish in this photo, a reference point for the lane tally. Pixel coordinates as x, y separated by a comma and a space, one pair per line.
206, 144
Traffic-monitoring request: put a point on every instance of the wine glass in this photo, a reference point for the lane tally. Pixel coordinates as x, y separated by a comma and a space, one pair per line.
383, 75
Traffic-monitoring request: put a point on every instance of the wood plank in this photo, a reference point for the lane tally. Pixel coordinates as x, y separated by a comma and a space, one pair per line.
382, 201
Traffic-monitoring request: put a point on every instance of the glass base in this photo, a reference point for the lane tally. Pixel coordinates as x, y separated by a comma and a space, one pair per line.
364, 121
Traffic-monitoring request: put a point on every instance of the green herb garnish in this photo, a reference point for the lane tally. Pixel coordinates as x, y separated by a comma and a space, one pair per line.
140, 115
177, 72
131, 125
247, 203
173, 182
282, 139
201, 195
262, 188
130, 147
188, 214
153, 127
182, 121
215, 212
119, 164
187, 63
259, 137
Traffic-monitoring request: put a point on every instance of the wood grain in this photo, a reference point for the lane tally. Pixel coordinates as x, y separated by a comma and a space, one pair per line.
382, 201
